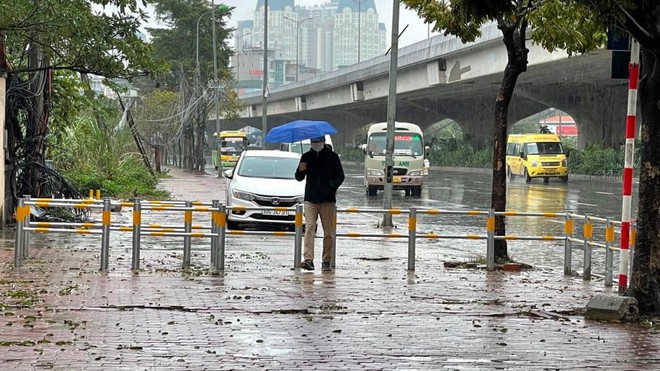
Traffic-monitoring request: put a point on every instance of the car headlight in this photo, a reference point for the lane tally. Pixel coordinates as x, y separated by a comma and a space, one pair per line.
564, 163
415, 172
243, 195
535, 164
300, 199
373, 172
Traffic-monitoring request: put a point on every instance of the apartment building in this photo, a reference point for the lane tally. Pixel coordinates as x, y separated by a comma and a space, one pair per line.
303, 41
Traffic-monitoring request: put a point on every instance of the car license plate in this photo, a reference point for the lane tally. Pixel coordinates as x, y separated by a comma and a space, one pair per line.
397, 179
275, 212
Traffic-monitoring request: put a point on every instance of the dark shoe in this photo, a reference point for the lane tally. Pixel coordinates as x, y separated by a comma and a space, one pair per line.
325, 266
307, 264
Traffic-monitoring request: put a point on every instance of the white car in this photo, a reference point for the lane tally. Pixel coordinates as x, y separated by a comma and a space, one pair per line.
264, 178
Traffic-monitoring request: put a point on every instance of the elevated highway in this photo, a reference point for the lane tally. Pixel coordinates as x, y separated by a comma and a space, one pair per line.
442, 78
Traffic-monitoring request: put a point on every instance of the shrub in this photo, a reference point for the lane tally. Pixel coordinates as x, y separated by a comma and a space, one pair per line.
458, 153
103, 159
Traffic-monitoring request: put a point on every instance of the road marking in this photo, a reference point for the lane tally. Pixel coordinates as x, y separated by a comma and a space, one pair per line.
585, 204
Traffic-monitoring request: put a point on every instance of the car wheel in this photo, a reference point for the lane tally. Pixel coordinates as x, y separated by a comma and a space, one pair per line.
528, 178
564, 179
371, 190
546, 179
416, 191
510, 174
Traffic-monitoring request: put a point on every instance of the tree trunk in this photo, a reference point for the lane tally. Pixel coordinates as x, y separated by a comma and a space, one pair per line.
188, 144
157, 157
645, 279
516, 64
179, 161
37, 116
200, 134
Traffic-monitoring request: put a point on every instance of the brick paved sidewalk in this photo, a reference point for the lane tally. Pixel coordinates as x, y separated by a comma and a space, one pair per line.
59, 312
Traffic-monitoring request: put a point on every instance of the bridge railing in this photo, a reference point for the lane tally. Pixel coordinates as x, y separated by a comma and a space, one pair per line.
217, 230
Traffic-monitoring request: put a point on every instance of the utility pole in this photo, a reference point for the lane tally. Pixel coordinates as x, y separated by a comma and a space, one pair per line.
391, 117
216, 84
264, 100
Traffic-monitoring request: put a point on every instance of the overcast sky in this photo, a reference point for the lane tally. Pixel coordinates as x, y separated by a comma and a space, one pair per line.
415, 32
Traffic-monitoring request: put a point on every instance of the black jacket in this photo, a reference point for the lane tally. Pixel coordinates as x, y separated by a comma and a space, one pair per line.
324, 175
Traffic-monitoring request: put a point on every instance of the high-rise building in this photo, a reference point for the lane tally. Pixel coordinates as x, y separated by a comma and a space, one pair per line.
309, 39
318, 34
357, 33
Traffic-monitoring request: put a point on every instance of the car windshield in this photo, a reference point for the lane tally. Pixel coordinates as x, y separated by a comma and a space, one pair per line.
544, 148
404, 144
268, 167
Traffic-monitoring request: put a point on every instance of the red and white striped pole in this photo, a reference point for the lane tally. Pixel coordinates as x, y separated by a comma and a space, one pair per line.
633, 75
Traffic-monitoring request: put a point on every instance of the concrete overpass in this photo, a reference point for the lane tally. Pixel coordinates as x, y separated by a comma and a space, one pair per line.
442, 78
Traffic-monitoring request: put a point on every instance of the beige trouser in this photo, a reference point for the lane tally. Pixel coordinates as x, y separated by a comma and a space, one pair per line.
326, 210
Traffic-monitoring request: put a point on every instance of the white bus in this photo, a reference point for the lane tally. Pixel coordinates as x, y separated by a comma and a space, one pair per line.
409, 155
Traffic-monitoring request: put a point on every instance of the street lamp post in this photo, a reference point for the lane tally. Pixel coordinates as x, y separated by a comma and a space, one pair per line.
264, 86
197, 40
215, 69
217, 85
297, 24
359, 4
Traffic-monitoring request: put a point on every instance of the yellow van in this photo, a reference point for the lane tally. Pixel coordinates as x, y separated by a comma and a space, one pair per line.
536, 156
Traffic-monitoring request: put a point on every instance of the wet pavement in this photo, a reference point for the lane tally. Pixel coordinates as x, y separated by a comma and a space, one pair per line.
60, 312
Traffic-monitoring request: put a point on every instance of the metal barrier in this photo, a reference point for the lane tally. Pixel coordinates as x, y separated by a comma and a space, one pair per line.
218, 231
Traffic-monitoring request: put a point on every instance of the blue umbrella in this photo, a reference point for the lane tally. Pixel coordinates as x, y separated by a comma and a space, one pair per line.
298, 130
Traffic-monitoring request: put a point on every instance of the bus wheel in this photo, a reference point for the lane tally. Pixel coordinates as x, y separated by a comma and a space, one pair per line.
510, 174
528, 178
371, 190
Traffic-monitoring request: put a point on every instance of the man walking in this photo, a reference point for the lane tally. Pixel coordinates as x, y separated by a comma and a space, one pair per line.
324, 173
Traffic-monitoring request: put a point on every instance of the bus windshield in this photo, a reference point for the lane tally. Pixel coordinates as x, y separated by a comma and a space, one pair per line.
544, 148
232, 144
409, 144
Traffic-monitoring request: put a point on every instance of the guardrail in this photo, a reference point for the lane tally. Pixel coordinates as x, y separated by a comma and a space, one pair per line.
217, 231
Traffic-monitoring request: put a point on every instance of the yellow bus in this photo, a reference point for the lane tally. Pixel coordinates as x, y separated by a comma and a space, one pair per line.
231, 144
